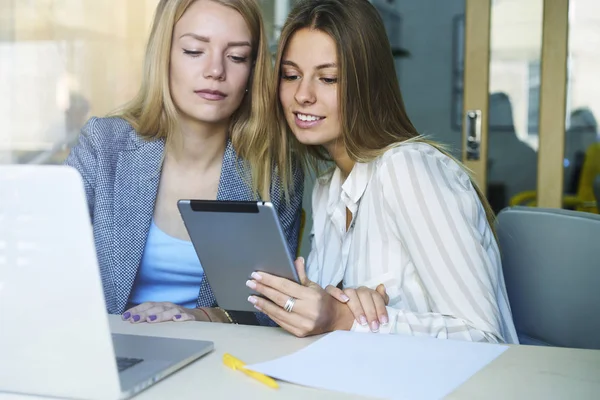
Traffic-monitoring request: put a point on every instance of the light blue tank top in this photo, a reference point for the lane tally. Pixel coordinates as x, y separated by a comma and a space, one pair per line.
169, 271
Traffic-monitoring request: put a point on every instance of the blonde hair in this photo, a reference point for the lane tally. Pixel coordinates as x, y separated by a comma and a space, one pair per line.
153, 114
372, 112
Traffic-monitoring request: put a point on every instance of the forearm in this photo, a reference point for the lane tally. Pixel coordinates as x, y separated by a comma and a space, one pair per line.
344, 319
434, 325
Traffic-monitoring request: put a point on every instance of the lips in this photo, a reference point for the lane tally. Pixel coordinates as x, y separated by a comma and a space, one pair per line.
306, 121
211, 95
308, 117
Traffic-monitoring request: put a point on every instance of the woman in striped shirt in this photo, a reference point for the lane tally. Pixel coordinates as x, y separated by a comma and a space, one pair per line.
395, 210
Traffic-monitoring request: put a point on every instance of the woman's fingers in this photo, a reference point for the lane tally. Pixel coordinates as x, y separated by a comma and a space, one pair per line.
301, 270
381, 290
163, 316
272, 294
282, 285
278, 298
182, 317
368, 305
149, 314
154, 312
129, 314
290, 321
380, 307
355, 306
337, 294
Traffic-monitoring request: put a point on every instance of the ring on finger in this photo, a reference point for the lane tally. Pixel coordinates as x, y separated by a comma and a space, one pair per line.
289, 304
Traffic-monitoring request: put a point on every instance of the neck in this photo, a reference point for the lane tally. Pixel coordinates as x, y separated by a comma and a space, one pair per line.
340, 156
199, 145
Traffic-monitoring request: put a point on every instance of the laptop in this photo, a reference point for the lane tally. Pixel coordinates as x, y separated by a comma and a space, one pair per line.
55, 338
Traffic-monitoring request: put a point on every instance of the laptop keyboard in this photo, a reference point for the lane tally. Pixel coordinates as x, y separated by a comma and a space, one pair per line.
123, 363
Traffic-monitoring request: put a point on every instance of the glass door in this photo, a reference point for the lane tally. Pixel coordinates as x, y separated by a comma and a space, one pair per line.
474, 49
513, 114
582, 141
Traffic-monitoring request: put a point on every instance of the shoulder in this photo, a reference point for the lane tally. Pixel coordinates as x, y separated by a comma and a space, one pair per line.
110, 134
421, 161
297, 173
295, 184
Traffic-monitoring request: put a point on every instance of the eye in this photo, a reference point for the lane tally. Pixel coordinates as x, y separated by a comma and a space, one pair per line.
289, 77
329, 81
238, 59
192, 53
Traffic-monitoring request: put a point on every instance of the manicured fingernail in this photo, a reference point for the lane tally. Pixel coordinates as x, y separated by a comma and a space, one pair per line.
258, 308
178, 316
374, 326
126, 315
363, 320
251, 284
301, 260
152, 317
384, 320
256, 276
345, 298
252, 299
136, 318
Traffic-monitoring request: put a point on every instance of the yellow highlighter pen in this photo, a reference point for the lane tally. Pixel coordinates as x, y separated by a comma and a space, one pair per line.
239, 365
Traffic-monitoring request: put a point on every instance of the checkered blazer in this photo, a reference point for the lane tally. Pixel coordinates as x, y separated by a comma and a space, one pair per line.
121, 172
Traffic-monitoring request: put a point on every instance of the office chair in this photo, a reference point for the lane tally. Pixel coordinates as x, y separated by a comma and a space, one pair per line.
551, 264
584, 200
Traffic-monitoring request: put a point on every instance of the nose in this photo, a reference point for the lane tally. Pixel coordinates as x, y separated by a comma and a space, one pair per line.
215, 68
305, 94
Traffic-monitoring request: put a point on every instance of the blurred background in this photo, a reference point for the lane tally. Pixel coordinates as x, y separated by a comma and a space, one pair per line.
62, 61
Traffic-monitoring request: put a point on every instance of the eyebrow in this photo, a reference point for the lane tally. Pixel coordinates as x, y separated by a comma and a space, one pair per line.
207, 40
318, 67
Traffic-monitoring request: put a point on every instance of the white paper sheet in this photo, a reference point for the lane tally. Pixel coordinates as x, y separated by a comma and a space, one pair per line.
383, 366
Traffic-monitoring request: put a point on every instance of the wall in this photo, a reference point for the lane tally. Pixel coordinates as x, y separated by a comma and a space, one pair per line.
426, 77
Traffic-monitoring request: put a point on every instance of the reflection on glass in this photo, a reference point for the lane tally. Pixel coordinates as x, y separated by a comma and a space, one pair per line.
62, 61
516, 42
582, 147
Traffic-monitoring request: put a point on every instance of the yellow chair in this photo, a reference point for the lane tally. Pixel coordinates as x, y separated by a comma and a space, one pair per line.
584, 200
589, 172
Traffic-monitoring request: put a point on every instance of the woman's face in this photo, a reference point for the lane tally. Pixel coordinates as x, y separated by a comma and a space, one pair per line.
210, 62
308, 90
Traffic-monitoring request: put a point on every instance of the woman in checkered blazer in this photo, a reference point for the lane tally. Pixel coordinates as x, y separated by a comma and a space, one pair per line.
198, 128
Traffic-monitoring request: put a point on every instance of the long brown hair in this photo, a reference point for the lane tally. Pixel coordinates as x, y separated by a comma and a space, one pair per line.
153, 114
372, 113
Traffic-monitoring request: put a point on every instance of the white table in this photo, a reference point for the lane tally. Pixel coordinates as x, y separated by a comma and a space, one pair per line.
522, 372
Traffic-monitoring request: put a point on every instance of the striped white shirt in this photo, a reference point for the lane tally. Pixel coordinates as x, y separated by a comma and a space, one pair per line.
419, 228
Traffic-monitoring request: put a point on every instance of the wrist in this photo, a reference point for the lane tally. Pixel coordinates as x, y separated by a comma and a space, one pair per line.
202, 314
344, 318
217, 314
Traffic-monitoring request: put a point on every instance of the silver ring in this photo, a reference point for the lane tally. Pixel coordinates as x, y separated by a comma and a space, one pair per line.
289, 304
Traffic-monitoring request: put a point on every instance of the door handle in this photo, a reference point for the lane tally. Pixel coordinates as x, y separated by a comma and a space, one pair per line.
473, 136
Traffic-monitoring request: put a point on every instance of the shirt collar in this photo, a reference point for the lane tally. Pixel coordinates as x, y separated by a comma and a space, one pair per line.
351, 191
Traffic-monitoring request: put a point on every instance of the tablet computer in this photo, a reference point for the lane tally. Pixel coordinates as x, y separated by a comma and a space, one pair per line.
233, 239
